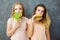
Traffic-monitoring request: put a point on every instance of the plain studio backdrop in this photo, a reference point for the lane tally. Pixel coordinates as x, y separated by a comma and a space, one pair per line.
53, 7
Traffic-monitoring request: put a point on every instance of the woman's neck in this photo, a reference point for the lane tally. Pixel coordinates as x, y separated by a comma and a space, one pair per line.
39, 22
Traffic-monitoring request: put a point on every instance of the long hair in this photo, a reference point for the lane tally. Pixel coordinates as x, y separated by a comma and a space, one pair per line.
13, 8
45, 18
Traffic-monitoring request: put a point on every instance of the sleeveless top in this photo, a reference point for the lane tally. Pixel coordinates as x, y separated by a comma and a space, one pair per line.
20, 33
39, 32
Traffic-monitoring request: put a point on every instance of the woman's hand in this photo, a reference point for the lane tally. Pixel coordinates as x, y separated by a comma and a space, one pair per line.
33, 17
37, 17
16, 25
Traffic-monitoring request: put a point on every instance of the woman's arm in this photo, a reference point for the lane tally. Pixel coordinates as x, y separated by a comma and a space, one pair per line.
29, 28
10, 31
47, 34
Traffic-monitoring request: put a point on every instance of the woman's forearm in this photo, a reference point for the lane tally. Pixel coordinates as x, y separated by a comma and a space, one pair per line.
29, 30
47, 34
11, 32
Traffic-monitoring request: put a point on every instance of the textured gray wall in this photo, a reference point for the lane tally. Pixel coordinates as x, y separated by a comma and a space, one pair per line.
52, 7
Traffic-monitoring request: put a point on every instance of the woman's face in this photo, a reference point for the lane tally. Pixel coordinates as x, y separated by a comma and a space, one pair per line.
39, 11
18, 8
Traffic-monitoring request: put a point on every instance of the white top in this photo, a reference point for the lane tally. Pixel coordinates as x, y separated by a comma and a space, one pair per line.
20, 33
39, 32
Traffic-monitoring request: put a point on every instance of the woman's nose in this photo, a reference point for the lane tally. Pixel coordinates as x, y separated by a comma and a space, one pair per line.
18, 10
39, 11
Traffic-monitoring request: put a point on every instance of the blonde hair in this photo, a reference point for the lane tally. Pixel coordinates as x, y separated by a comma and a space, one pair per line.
13, 8
47, 21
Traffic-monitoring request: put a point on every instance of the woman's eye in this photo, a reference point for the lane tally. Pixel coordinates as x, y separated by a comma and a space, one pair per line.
16, 9
43, 11
38, 10
20, 8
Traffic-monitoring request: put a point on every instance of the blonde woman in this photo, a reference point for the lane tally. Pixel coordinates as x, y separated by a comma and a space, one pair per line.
39, 24
16, 24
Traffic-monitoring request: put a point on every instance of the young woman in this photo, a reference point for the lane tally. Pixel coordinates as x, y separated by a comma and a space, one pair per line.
39, 24
16, 24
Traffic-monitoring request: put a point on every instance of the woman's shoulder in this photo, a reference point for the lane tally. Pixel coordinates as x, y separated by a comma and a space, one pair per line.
25, 18
9, 19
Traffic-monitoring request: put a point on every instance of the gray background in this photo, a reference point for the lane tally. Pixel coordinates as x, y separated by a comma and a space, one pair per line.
52, 7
